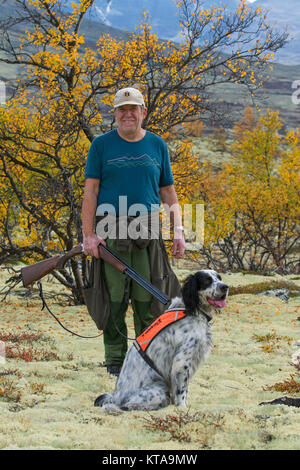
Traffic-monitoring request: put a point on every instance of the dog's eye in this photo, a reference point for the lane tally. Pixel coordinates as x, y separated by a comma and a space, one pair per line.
206, 281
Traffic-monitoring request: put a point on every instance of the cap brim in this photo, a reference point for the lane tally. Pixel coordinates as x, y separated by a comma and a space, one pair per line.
128, 102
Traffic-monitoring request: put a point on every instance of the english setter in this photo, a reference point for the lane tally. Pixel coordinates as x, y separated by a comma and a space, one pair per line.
177, 351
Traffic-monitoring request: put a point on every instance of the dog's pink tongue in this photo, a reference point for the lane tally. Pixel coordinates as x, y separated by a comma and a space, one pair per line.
217, 303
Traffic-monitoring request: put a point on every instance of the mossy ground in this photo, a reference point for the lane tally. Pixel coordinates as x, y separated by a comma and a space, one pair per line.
46, 401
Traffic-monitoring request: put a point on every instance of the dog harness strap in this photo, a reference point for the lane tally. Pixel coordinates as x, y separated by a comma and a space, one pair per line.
147, 359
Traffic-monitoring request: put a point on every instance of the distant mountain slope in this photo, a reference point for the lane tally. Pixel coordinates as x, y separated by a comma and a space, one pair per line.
127, 14
276, 93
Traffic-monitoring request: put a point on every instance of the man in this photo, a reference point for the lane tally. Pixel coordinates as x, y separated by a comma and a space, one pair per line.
129, 161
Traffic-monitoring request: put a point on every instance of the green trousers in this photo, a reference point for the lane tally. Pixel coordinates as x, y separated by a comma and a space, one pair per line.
121, 288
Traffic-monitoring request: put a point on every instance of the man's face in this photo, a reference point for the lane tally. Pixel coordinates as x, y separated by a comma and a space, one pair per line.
129, 118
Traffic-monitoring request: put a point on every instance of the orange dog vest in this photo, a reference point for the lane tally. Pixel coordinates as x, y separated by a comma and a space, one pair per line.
157, 326
144, 340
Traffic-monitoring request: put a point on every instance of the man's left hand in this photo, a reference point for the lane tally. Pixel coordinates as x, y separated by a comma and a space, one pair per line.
178, 244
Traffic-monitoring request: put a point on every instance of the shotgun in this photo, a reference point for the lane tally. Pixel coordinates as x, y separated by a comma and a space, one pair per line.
36, 271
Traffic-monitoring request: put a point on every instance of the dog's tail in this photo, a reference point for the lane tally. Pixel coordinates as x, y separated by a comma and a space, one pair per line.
107, 404
102, 399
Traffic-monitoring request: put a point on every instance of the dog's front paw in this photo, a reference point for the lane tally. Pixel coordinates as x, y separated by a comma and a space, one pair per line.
180, 401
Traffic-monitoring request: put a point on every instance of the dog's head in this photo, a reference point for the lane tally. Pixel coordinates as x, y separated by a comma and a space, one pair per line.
204, 290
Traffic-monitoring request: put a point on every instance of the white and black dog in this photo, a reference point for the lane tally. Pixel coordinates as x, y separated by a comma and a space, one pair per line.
176, 353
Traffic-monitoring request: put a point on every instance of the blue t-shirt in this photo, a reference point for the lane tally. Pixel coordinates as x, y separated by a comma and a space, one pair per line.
134, 171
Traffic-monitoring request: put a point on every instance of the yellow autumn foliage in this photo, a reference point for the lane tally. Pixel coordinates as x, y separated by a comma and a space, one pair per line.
255, 199
63, 99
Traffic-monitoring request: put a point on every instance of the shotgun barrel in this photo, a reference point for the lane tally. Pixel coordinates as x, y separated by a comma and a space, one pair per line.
126, 269
147, 285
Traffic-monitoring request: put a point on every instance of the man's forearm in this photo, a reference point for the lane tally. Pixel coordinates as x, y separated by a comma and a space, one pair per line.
89, 206
170, 200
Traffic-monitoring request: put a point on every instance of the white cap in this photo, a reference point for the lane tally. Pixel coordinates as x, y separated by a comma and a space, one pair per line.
128, 96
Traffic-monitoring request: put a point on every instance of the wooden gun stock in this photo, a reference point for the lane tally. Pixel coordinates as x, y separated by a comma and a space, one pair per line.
36, 271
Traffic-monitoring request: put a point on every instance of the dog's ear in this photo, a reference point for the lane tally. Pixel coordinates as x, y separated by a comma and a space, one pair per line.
190, 295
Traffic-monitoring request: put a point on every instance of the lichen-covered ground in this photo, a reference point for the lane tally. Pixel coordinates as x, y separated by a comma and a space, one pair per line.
49, 380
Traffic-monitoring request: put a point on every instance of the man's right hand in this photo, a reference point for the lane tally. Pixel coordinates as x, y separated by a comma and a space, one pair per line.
91, 243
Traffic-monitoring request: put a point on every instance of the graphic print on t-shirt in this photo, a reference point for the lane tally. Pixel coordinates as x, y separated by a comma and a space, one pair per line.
133, 161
